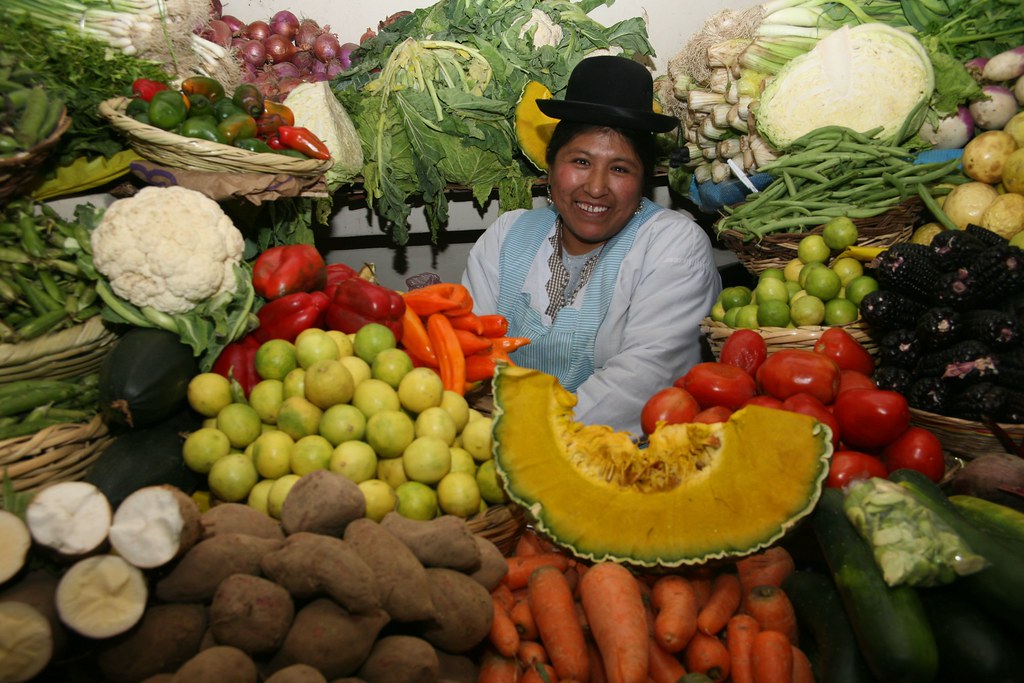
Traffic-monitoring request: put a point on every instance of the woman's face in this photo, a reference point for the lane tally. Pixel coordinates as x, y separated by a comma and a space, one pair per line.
596, 184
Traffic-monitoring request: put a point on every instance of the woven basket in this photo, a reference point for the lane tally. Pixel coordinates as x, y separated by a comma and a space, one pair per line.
177, 151
73, 352
965, 438
58, 453
19, 171
501, 525
778, 338
775, 250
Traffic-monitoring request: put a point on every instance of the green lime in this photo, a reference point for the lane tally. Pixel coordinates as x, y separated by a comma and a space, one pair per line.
771, 289
232, 477
1018, 240
806, 271
735, 296
771, 273
847, 269
773, 314
203, 447
840, 233
371, 339
859, 286
389, 432
840, 312
730, 316
416, 500
807, 310
823, 283
812, 249
747, 317
240, 422
793, 288
792, 270
718, 312
275, 359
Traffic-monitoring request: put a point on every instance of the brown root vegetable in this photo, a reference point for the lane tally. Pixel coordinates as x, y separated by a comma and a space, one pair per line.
238, 518
308, 565
405, 589
38, 589
219, 664
493, 565
322, 502
26, 642
16, 540
155, 525
456, 668
464, 611
445, 541
101, 596
165, 638
251, 613
297, 673
329, 638
196, 575
160, 678
401, 659
70, 518
984, 476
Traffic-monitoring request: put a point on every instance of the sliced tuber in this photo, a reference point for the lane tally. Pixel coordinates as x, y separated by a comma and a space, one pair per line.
101, 596
26, 642
154, 525
38, 589
71, 518
16, 541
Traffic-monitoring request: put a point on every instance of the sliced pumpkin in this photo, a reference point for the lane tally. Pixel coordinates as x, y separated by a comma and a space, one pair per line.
697, 493
534, 127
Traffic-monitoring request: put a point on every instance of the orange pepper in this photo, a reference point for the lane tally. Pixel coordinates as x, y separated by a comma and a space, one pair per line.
450, 359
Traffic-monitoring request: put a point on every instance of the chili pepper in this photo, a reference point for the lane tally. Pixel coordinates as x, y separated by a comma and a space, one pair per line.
237, 126
479, 367
509, 344
238, 361
248, 98
303, 140
449, 297
415, 339
356, 302
494, 325
202, 128
451, 361
268, 124
286, 317
471, 343
199, 105
253, 145
271, 108
226, 107
288, 268
145, 88
274, 143
210, 88
167, 109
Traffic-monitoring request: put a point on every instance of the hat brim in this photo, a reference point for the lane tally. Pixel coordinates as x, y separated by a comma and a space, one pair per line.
606, 115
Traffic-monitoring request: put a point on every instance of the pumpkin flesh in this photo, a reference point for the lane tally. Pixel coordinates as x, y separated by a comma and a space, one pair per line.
533, 127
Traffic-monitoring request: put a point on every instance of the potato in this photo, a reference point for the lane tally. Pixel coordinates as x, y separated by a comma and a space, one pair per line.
238, 518
401, 659
456, 668
329, 638
297, 673
309, 565
966, 203
985, 154
464, 611
405, 590
251, 613
322, 502
493, 565
220, 664
1005, 215
165, 638
196, 576
445, 541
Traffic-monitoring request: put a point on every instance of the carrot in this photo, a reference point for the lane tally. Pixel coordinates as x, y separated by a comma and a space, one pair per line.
509, 344
493, 325
503, 634
597, 673
532, 543
722, 603
551, 602
521, 566
772, 657
495, 668
675, 604
469, 322
707, 655
479, 367
581, 615
531, 652
450, 360
803, 672
533, 674
739, 640
615, 611
701, 588
572, 575
663, 667
773, 610
471, 343
767, 568
504, 595
522, 617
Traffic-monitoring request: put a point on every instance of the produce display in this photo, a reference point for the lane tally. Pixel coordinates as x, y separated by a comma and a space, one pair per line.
34, 112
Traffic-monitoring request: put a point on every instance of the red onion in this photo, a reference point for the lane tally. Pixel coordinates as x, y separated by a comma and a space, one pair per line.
304, 60
218, 32
216, 9
234, 23
318, 72
367, 35
326, 47
305, 35
286, 85
286, 70
257, 30
284, 23
253, 52
279, 48
334, 67
345, 54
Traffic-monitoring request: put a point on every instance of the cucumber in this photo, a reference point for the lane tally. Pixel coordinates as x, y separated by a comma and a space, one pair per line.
998, 520
889, 623
819, 611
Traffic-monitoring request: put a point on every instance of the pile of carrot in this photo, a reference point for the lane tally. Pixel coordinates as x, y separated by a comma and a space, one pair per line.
557, 619
440, 331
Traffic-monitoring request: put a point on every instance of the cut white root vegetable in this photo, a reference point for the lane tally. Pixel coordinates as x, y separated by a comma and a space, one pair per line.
154, 525
26, 642
71, 518
101, 596
16, 541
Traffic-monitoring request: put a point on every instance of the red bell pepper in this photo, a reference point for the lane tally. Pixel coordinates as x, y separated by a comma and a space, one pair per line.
286, 317
145, 88
336, 274
287, 269
303, 140
238, 361
356, 302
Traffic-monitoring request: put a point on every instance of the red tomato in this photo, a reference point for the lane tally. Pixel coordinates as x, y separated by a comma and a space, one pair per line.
916, 449
808, 405
718, 384
765, 402
745, 349
850, 466
794, 371
840, 346
712, 415
871, 418
851, 379
671, 405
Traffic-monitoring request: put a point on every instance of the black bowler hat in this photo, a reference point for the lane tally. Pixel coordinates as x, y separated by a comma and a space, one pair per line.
610, 91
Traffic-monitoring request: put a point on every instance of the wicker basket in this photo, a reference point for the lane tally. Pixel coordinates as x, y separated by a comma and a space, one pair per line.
18, 172
775, 250
73, 352
965, 438
778, 338
501, 525
58, 453
177, 151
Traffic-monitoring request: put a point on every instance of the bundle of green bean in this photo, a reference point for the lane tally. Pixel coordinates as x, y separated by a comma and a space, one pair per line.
30, 405
834, 171
45, 268
29, 113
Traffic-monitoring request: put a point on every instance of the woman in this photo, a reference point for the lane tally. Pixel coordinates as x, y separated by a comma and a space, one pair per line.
609, 287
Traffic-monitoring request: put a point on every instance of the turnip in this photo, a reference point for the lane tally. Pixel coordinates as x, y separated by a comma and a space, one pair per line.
1018, 91
996, 109
1004, 66
951, 132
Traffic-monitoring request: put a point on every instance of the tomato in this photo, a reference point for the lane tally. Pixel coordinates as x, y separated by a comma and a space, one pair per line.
806, 404
871, 418
712, 415
794, 371
745, 349
852, 379
671, 405
916, 449
850, 466
840, 346
764, 402
718, 384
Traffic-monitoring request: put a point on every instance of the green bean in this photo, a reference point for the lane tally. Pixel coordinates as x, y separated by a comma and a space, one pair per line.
31, 240
51, 287
894, 181
790, 185
31, 398
12, 255
935, 209
8, 292
42, 324
66, 267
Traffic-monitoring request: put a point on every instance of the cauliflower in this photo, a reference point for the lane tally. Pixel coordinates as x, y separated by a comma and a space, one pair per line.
545, 31
169, 248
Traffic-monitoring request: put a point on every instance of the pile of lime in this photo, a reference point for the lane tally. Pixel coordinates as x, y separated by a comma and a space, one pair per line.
354, 405
818, 287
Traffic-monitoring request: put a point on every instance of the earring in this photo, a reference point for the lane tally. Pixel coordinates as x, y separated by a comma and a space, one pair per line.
550, 201
639, 207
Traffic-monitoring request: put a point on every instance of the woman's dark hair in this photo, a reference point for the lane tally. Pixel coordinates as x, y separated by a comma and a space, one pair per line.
643, 142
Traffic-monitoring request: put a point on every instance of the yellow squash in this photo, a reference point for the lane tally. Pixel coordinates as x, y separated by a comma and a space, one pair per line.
533, 127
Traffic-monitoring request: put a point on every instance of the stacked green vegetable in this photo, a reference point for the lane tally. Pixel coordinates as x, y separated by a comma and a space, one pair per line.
28, 406
30, 113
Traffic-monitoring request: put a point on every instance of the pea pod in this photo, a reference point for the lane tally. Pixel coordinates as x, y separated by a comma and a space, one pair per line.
29, 126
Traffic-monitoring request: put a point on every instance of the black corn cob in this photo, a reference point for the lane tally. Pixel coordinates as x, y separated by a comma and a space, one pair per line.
981, 401
885, 309
892, 378
991, 239
929, 394
998, 329
938, 327
908, 268
899, 348
962, 363
956, 289
993, 275
1011, 368
955, 248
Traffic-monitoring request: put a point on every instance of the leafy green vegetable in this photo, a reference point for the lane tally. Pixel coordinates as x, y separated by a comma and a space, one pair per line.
953, 84
970, 28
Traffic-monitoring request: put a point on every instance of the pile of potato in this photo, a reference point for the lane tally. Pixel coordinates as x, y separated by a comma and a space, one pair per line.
232, 595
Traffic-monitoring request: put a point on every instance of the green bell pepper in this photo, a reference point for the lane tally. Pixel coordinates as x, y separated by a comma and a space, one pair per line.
200, 105
253, 145
224, 108
209, 88
249, 98
202, 128
167, 109
237, 126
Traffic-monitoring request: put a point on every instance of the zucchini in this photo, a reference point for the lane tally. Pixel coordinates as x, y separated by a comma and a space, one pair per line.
998, 520
819, 611
889, 623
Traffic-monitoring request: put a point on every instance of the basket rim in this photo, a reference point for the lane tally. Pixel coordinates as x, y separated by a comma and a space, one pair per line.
1014, 429
63, 123
82, 336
